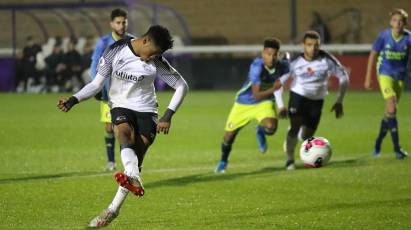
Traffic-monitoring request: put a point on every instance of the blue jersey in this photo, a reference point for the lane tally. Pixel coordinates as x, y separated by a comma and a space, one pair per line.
258, 74
103, 43
393, 54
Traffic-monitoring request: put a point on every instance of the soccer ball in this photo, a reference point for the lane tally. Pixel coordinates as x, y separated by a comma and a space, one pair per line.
315, 152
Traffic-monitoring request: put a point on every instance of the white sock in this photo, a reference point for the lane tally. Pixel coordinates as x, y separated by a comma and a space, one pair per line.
130, 162
300, 134
118, 200
289, 147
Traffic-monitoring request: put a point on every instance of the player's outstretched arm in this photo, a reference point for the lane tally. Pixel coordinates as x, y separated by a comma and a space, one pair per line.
86, 92
372, 59
66, 104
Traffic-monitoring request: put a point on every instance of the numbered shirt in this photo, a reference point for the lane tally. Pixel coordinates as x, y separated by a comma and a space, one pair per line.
310, 78
131, 79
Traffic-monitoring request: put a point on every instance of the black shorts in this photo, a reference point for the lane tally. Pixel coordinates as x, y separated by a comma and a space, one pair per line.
143, 123
309, 110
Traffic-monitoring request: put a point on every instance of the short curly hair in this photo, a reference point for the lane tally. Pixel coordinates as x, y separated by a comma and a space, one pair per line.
161, 37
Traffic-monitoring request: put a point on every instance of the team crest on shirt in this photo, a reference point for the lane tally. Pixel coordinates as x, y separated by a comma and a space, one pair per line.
148, 68
310, 71
102, 61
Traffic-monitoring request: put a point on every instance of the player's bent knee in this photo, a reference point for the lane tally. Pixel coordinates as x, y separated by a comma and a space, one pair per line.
124, 134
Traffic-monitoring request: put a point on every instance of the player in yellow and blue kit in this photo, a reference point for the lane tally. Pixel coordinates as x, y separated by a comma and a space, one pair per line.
392, 47
118, 25
255, 100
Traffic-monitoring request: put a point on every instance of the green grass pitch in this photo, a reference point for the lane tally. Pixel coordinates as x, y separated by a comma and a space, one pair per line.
52, 177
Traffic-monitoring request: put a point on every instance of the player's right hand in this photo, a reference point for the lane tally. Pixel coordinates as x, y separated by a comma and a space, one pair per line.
338, 109
367, 84
65, 105
61, 105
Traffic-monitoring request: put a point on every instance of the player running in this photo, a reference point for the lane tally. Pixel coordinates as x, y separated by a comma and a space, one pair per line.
118, 25
131, 65
392, 47
310, 72
255, 101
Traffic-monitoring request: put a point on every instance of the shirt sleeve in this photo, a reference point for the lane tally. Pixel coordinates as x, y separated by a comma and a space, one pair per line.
254, 73
105, 64
336, 68
286, 74
166, 72
170, 76
378, 44
95, 58
339, 71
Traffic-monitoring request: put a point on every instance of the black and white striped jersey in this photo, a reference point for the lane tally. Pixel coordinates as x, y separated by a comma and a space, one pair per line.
132, 80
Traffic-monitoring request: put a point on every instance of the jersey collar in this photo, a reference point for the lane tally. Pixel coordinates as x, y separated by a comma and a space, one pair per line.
131, 47
397, 39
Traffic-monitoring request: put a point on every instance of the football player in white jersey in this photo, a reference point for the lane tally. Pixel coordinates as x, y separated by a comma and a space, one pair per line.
310, 72
131, 65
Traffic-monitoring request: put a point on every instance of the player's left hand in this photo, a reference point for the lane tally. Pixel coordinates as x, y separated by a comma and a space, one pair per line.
283, 113
338, 109
163, 126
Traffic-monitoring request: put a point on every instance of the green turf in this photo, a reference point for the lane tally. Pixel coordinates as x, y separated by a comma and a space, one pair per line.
51, 174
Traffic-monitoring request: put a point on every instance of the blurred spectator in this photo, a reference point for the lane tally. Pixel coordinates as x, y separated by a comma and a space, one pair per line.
54, 69
73, 62
88, 50
28, 63
19, 73
321, 27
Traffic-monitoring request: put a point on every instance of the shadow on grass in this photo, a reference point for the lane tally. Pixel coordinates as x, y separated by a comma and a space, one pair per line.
12, 180
211, 176
186, 180
332, 206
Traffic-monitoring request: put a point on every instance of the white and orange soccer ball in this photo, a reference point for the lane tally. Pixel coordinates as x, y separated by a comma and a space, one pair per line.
315, 152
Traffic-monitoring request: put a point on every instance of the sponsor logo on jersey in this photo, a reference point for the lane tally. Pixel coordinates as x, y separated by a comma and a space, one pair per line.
121, 61
129, 77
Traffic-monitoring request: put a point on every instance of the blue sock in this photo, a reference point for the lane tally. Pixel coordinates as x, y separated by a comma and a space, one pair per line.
225, 151
393, 127
110, 142
381, 135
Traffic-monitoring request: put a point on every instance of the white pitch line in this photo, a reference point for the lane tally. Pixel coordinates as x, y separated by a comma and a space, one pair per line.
160, 170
